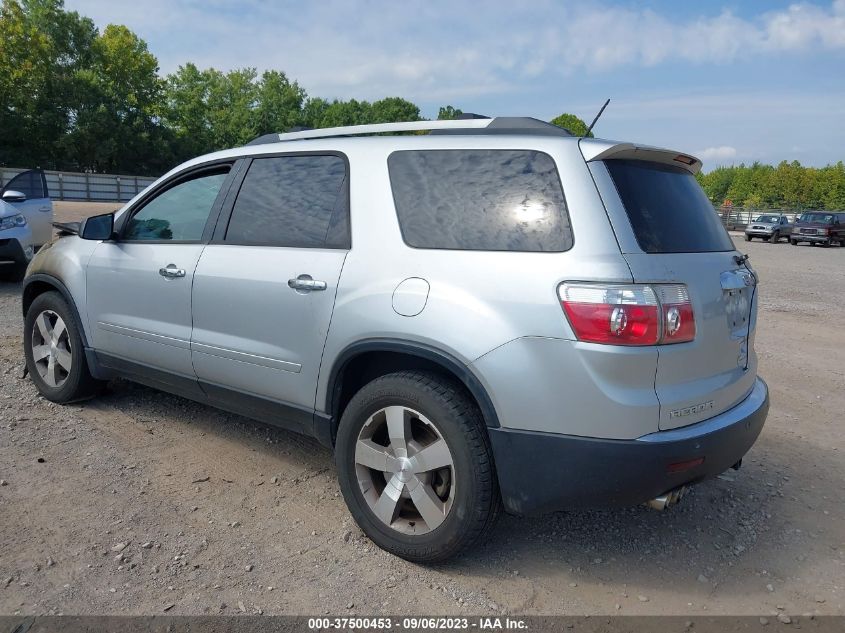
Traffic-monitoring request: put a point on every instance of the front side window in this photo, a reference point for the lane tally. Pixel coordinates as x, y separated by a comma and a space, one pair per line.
293, 201
490, 200
179, 213
29, 183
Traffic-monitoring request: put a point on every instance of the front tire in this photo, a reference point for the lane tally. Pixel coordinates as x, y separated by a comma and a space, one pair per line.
55, 356
793, 242
415, 466
747, 238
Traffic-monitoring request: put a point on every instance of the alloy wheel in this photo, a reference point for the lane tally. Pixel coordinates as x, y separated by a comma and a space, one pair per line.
405, 470
51, 349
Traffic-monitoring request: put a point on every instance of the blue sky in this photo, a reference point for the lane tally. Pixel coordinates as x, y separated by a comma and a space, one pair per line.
728, 81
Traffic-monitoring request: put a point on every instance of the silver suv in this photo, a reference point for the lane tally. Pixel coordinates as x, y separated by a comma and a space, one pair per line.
494, 314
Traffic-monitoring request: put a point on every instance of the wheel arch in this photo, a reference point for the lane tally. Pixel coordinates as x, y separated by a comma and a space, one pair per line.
38, 284
363, 361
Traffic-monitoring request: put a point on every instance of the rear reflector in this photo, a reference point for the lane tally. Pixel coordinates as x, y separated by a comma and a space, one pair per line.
628, 314
679, 467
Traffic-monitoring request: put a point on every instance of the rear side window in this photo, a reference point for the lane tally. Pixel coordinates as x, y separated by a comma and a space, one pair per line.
490, 200
297, 201
668, 210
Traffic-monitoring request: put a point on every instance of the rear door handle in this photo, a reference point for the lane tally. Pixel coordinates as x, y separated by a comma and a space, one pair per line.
171, 272
306, 283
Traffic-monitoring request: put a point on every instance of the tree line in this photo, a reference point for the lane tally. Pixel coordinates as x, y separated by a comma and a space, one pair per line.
78, 99
789, 186
75, 98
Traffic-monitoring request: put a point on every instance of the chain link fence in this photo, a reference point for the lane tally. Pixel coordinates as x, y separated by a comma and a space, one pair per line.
84, 187
737, 218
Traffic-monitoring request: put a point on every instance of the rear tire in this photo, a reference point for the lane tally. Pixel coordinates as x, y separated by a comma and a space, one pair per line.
421, 514
55, 356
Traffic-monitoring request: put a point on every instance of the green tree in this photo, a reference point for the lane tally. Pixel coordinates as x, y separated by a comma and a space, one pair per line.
232, 103
186, 110
448, 113
572, 123
42, 50
393, 110
117, 124
280, 103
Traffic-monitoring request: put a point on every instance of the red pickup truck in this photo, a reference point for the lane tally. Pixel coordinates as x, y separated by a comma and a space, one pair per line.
818, 227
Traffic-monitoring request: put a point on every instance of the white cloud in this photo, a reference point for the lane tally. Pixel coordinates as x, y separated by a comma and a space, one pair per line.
722, 152
446, 49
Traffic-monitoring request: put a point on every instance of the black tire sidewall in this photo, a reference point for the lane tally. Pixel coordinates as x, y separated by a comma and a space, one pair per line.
397, 391
72, 387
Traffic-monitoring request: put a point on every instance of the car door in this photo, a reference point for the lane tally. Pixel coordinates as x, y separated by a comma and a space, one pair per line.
34, 204
139, 284
264, 288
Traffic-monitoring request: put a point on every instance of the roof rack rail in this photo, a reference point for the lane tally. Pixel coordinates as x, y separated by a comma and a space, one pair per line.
274, 136
498, 125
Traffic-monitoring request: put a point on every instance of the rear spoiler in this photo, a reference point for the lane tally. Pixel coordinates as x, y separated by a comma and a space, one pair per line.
597, 149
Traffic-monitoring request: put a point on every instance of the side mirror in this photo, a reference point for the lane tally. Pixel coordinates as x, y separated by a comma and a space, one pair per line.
98, 227
14, 196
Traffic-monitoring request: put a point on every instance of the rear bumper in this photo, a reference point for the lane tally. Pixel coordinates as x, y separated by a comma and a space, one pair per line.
545, 472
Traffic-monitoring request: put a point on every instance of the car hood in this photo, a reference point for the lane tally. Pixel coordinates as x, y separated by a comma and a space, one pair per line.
812, 225
768, 225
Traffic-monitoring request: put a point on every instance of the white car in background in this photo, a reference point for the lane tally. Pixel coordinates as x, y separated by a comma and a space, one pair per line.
26, 217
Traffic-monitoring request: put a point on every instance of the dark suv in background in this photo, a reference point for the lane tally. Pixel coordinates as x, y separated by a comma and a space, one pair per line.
819, 227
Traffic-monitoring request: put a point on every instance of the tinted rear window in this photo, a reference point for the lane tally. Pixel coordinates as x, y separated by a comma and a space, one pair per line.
492, 200
668, 210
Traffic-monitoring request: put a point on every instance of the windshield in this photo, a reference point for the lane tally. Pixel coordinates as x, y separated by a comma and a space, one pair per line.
822, 218
772, 219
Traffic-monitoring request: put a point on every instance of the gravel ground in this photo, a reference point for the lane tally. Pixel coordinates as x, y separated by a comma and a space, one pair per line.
139, 503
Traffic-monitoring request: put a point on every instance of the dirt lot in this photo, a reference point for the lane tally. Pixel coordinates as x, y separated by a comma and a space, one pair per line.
140, 502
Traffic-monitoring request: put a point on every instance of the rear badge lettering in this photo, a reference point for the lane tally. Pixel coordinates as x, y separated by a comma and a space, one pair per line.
687, 411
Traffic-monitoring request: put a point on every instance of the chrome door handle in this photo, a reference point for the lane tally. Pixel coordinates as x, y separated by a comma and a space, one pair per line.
44, 209
171, 272
306, 283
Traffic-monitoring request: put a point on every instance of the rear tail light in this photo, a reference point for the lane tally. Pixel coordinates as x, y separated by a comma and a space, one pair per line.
628, 314
678, 319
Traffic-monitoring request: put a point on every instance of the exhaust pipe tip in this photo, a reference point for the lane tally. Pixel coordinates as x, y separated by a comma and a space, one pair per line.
659, 503
668, 499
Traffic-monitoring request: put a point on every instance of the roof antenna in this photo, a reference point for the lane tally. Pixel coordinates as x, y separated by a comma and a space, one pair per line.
590, 129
